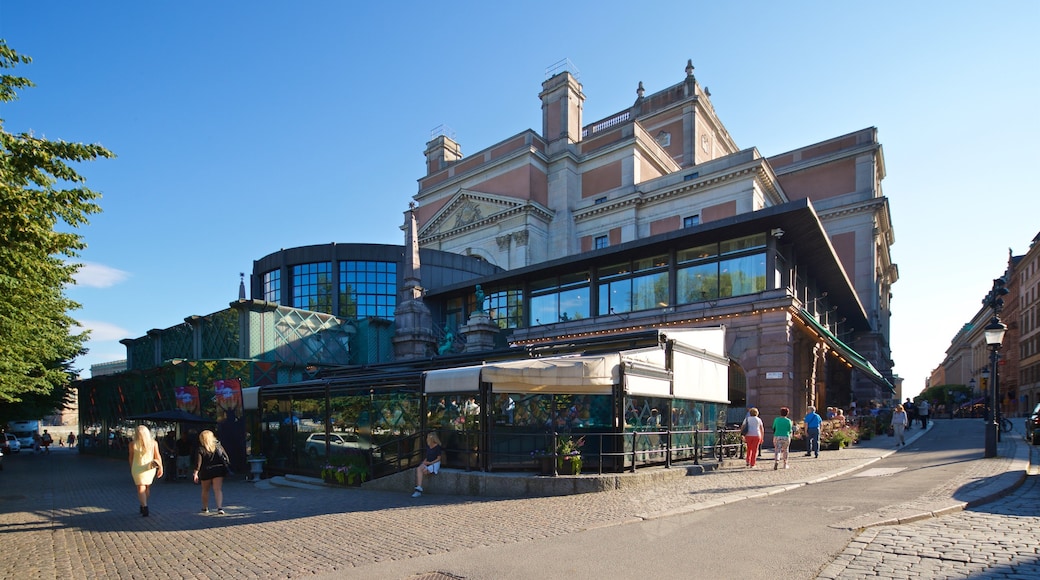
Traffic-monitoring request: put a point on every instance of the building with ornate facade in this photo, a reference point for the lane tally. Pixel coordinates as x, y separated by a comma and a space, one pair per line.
630, 234
666, 164
1028, 296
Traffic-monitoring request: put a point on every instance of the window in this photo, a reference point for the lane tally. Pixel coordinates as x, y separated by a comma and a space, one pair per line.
312, 287
601, 242
367, 289
704, 274
560, 299
273, 286
744, 275
691, 220
506, 308
637, 285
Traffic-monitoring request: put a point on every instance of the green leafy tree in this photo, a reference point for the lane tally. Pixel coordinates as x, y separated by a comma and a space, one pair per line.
42, 202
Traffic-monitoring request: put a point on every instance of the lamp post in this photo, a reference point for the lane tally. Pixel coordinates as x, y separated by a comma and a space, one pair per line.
994, 332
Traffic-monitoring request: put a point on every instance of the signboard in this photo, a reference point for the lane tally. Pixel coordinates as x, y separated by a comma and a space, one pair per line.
775, 375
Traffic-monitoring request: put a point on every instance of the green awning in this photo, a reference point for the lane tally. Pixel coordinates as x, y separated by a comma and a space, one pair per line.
854, 358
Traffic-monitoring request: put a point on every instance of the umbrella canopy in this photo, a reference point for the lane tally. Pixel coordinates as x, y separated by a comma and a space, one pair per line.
172, 416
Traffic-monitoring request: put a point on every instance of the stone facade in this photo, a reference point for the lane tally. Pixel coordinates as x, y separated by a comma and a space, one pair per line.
663, 164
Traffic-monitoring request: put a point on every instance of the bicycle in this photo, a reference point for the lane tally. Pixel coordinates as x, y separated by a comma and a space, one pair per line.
1005, 425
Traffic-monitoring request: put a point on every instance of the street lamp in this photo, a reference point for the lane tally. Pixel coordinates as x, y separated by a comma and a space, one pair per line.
994, 332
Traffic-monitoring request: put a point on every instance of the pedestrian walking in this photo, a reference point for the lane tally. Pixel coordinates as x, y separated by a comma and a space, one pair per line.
899, 423
753, 431
813, 422
922, 413
782, 428
911, 412
211, 467
145, 464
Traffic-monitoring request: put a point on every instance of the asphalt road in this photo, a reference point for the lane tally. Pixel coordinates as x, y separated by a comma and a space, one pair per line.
793, 531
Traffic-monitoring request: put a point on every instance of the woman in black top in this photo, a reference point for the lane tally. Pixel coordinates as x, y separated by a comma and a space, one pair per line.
210, 469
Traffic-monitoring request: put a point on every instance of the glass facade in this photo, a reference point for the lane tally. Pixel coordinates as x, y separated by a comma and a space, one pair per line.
273, 286
506, 308
560, 299
363, 429
312, 287
732, 268
638, 285
367, 289
657, 424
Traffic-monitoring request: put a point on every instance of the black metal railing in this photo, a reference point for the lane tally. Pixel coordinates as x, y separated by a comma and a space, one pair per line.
473, 450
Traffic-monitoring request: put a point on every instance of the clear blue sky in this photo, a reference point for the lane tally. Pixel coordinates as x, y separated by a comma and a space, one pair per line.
245, 127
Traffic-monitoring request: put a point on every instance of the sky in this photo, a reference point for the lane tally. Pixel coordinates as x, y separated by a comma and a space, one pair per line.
241, 128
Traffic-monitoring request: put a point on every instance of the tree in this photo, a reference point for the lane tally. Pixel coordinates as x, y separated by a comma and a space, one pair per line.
40, 195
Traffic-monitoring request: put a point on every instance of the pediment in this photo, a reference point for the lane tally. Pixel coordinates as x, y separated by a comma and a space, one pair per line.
467, 209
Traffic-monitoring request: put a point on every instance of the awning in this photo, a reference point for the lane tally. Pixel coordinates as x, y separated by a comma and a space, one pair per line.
853, 357
250, 398
565, 375
978, 401
458, 380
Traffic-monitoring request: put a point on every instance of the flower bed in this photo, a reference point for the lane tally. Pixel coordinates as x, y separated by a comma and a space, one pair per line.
347, 471
834, 434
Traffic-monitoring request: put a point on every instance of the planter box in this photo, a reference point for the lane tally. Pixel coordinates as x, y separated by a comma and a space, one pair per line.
568, 468
545, 465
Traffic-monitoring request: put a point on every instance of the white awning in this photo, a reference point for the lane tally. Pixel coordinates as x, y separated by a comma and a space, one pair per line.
647, 386
251, 398
458, 380
565, 375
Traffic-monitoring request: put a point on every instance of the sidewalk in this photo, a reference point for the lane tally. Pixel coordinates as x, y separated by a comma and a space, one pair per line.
70, 515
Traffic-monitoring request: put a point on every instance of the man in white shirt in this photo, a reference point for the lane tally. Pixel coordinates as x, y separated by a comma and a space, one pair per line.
922, 412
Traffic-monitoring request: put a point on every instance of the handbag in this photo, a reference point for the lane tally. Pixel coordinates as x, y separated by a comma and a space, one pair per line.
744, 428
224, 459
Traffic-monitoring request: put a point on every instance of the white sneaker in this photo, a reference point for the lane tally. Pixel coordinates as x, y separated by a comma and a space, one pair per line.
417, 494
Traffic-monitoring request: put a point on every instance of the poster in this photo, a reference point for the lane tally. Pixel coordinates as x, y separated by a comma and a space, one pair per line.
227, 395
188, 399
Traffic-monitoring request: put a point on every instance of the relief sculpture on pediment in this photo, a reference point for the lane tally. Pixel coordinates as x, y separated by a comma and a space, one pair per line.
468, 213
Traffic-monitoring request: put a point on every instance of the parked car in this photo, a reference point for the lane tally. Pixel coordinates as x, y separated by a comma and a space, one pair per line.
1033, 425
10, 444
340, 444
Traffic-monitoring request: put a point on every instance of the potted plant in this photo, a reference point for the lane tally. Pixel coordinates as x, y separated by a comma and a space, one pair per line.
545, 459
566, 458
568, 454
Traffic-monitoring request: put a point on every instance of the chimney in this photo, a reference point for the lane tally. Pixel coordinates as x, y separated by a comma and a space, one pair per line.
441, 151
562, 104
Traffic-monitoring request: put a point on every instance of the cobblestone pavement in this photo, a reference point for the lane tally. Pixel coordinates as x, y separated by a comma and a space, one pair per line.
67, 515
997, 539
